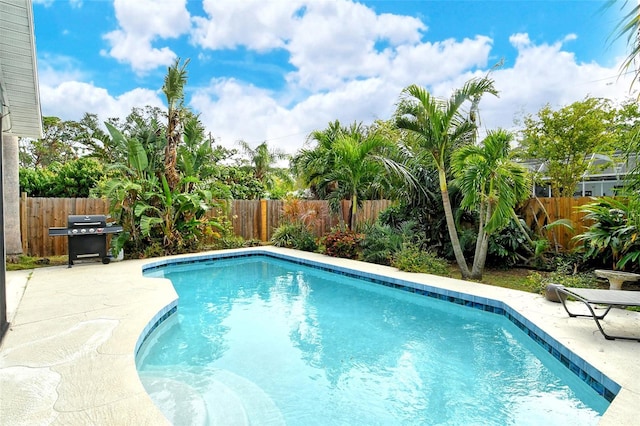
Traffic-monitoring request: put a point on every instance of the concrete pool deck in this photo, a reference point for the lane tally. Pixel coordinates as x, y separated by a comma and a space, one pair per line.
68, 356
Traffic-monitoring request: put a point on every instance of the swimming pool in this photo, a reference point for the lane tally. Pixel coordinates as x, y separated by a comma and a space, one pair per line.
261, 338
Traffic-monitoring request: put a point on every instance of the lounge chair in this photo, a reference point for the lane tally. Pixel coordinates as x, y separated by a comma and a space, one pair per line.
608, 298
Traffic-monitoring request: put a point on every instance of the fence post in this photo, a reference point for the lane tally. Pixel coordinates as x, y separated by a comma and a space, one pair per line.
263, 220
24, 226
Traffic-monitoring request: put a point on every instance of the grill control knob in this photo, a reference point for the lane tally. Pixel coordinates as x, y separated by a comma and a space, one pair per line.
83, 231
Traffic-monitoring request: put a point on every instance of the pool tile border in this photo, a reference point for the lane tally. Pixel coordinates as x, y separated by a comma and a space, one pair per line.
162, 315
602, 384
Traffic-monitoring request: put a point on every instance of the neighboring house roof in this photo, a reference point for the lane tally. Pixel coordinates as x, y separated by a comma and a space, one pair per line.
19, 94
618, 164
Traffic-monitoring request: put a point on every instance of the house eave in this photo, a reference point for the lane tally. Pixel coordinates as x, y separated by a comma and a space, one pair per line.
19, 91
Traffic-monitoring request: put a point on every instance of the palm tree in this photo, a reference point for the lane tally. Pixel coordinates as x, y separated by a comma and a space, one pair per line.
358, 168
354, 163
262, 160
195, 155
173, 89
491, 183
313, 165
438, 126
629, 28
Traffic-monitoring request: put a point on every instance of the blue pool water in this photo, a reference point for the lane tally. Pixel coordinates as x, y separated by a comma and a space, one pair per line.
258, 340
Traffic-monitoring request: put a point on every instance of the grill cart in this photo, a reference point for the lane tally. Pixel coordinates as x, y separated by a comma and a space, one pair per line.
87, 236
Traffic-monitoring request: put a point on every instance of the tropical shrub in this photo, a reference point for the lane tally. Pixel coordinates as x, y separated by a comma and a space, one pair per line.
342, 243
295, 232
253, 242
393, 216
294, 235
380, 244
429, 227
537, 282
569, 263
243, 185
36, 182
223, 236
297, 210
506, 247
74, 178
228, 242
612, 240
154, 249
413, 259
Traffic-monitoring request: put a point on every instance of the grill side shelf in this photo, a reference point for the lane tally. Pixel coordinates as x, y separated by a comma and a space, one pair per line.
54, 232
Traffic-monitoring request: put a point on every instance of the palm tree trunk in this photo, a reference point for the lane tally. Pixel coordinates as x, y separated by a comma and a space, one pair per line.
482, 246
451, 226
352, 213
481, 222
171, 150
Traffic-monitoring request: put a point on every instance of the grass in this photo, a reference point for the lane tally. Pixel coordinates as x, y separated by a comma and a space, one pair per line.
28, 262
513, 278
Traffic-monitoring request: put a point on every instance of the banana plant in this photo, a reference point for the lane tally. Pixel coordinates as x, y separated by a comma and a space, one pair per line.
148, 208
176, 216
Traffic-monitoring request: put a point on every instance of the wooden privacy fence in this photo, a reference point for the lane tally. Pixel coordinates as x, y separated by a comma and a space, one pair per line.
37, 215
251, 219
538, 212
257, 219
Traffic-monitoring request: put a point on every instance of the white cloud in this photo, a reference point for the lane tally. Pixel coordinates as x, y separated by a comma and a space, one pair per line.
56, 69
67, 92
338, 41
256, 24
328, 42
142, 22
359, 100
70, 100
520, 40
428, 64
45, 3
546, 74
137, 51
400, 29
349, 64
541, 74
232, 111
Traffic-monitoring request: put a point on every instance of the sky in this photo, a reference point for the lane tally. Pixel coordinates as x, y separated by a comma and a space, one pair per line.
276, 70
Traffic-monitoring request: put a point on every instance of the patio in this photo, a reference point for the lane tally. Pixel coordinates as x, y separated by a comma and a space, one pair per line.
68, 357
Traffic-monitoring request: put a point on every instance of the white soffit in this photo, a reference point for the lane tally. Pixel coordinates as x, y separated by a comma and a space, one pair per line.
19, 92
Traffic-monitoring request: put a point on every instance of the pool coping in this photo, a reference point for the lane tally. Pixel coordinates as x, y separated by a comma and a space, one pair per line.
48, 385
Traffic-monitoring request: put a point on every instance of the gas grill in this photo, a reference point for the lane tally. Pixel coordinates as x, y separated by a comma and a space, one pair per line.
87, 236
